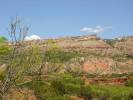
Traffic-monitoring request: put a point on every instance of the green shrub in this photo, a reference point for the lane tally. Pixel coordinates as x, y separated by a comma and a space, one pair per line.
43, 91
99, 93
58, 86
65, 85
68, 78
1, 75
113, 92
57, 55
129, 56
119, 75
129, 83
71, 86
4, 49
51, 41
110, 42
130, 97
2, 39
72, 89
85, 92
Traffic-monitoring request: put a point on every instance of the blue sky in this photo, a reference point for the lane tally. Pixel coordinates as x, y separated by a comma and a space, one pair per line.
57, 18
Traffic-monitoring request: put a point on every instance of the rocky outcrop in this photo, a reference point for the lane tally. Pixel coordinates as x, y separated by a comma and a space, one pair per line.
90, 44
125, 44
98, 66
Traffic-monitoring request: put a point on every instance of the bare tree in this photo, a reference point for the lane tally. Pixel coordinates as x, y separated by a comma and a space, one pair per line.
20, 58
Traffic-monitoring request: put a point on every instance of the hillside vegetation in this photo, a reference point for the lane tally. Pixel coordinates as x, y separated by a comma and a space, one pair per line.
71, 74
72, 68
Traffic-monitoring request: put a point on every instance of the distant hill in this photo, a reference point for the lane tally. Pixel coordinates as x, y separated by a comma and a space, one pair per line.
87, 41
95, 55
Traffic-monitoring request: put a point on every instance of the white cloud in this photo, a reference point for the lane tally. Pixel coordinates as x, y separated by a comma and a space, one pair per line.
33, 37
96, 29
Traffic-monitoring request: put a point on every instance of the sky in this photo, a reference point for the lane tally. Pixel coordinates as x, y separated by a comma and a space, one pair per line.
59, 18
